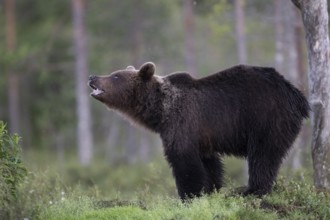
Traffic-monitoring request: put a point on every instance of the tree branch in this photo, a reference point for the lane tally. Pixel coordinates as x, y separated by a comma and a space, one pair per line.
297, 3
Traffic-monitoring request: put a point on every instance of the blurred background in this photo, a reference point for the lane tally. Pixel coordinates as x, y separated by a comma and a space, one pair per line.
48, 49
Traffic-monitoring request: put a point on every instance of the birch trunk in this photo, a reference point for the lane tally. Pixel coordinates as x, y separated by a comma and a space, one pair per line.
240, 31
13, 80
241, 50
189, 39
84, 134
279, 41
315, 19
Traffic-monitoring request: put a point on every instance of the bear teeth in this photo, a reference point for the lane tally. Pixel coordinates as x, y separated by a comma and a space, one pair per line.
97, 91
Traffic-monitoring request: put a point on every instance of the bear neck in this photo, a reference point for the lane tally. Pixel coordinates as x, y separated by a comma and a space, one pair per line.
147, 109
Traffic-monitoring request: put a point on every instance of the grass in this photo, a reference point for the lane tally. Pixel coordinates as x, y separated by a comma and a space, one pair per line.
147, 191
288, 201
47, 198
207, 207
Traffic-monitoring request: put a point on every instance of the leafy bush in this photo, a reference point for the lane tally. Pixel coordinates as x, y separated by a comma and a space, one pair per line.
12, 171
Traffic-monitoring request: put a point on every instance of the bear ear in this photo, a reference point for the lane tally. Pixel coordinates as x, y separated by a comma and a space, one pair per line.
147, 70
130, 68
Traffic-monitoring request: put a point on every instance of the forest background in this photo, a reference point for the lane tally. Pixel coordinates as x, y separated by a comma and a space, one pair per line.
47, 55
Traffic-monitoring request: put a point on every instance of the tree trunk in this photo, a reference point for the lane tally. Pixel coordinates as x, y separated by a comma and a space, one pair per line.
291, 61
84, 135
13, 80
240, 31
315, 19
189, 36
241, 49
279, 41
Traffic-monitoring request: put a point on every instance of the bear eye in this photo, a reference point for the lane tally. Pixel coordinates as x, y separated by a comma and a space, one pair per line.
115, 77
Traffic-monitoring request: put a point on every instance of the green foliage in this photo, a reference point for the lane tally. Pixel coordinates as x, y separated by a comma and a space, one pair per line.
37, 192
147, 191
298, 200
12, 171
220, 20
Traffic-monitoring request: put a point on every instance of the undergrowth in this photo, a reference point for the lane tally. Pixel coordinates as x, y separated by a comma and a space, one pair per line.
12, 170
288, 201
144, 191
44, 198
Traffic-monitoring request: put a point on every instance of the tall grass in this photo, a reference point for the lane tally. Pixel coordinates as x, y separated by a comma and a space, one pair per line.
288, 201
147, 191
66, 190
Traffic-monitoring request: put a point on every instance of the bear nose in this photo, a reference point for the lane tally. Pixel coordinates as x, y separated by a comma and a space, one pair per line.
91, 77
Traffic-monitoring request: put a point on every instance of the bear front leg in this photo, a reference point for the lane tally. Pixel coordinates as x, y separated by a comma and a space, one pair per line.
189, 173
214, 169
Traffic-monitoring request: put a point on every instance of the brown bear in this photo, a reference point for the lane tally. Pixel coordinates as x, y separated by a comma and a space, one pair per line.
246, 111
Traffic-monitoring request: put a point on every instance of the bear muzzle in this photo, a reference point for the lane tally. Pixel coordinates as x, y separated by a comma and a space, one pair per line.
92, 83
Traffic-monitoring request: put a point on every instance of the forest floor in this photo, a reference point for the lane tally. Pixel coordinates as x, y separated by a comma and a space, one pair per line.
292, 201
57, 190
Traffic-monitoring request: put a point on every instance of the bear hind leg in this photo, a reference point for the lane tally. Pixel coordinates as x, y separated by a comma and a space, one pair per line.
262, 174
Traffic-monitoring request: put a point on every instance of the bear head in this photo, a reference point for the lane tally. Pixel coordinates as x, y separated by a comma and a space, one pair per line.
130, 91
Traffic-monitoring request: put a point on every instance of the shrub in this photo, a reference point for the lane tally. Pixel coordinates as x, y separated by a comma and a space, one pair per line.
12, 171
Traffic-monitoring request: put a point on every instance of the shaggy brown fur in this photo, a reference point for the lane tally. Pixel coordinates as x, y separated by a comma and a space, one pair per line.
245, 111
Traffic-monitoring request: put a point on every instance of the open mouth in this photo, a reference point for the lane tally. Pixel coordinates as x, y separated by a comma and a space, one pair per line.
96, 91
